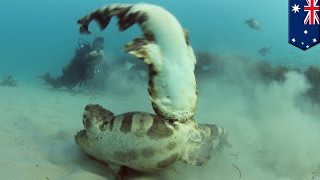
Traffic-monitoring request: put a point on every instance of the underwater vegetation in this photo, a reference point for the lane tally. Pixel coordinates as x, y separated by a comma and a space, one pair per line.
208, 66
312, 74
269, 73
261, 70
8, 81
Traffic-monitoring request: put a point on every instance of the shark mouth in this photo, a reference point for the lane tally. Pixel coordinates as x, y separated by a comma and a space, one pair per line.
165, 47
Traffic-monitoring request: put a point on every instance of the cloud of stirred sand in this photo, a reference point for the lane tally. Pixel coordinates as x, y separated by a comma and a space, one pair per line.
272, 128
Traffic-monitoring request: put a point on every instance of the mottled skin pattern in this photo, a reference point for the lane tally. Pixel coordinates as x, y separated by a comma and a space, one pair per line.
139, 140
165, 47
144, 141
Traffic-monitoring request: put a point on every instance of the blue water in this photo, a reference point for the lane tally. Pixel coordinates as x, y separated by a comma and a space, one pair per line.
267, 127
40, 36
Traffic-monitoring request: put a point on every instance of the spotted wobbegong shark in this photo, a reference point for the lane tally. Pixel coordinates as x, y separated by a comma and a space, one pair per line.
140, 140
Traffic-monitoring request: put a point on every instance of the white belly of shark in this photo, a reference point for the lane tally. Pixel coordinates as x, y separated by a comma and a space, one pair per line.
165, 47
144, 141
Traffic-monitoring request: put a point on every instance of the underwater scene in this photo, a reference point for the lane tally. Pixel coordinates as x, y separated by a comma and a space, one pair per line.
159, 90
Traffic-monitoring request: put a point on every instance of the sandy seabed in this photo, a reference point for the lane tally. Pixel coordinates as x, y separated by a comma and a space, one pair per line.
271, 137
36, 135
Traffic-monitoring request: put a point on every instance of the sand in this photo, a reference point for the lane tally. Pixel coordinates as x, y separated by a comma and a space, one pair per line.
38, 124
272, 137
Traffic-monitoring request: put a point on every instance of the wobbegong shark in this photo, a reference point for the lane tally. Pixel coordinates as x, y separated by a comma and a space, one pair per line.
141, 140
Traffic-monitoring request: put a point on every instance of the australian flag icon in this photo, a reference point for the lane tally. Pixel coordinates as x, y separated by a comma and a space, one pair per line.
304, 27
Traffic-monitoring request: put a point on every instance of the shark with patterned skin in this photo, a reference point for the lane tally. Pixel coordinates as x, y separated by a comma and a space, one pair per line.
140, 140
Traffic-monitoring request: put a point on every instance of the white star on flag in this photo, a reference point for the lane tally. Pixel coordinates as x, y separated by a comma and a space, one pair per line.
295, 8
314, 40
305, 32
293, 39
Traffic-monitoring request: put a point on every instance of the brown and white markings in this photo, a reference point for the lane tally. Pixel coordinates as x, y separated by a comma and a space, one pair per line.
144, 141
165, 47
140, 140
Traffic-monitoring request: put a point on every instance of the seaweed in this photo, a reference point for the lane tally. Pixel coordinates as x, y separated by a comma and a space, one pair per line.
8, 81
208, 64
312, 74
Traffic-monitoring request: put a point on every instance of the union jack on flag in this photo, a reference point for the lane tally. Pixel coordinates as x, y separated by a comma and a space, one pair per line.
304, 28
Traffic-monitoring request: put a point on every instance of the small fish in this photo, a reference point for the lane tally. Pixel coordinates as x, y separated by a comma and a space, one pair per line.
253, 24
264, 51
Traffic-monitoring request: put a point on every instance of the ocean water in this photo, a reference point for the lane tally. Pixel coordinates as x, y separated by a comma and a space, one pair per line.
273, 126
43, 34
